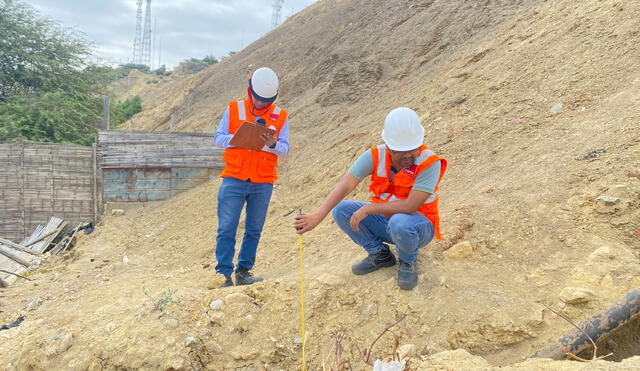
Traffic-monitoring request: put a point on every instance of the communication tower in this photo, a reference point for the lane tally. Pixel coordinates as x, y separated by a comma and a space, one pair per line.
277, 12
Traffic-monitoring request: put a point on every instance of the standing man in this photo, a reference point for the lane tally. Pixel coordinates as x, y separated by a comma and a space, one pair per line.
404, 204
248, 176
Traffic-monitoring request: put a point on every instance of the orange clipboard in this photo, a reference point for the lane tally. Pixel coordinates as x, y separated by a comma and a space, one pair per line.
248, 136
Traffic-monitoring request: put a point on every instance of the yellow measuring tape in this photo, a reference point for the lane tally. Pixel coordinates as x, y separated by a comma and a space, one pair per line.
302, 335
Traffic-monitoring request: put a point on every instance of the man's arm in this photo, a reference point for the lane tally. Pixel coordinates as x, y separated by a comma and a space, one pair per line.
410, 205
281, 144
305, 223
222, 136
423, 188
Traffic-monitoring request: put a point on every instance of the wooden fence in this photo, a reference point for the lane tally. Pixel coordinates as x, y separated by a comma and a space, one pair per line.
41, 180
138, 166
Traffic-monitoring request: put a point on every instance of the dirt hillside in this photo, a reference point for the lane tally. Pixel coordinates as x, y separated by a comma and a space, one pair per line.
522, 189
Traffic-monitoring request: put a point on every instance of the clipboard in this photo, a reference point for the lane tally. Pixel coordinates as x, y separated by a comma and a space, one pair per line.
248, 136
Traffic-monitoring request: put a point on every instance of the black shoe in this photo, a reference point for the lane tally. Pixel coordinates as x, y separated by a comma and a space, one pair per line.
244, 277
373, 262
227, 282
407, 276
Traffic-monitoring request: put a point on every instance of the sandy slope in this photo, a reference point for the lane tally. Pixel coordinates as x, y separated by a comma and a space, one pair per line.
484, 76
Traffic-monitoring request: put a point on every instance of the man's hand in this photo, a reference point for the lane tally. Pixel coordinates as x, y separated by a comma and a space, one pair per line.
268, 139
357, 217
305, 223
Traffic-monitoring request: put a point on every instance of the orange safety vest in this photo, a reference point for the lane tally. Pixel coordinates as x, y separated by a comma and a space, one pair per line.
382, 190
243, 164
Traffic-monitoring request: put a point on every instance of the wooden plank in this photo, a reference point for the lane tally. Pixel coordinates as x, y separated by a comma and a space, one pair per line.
21, 176
94, 152
5, 251
157, 149
18, 247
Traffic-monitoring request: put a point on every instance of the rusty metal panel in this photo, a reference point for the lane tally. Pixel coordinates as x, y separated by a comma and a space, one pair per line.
185, 178
136, 185
151, 184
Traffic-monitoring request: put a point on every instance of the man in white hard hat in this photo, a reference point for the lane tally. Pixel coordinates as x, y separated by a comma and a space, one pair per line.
248, 176
404, 204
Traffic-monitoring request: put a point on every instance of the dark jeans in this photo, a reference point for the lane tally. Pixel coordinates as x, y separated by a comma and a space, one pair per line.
409, 232
232, 196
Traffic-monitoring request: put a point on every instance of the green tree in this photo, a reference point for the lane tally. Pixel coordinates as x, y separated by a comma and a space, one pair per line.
210, 59
48, 92
162, 71
36, 54
123, 111
133, 66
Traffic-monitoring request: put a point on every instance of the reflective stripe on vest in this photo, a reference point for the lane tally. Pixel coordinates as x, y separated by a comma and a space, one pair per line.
382, 161
276, 111
384, 196
244, 164
386, 188
242, 115
430, 199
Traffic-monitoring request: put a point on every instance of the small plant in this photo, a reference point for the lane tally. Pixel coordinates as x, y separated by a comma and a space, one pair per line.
166, 298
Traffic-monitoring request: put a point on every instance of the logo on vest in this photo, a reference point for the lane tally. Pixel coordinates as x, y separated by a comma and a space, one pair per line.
273, 117
410, 170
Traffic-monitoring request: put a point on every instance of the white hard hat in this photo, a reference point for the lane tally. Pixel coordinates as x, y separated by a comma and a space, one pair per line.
403, 130
264, 84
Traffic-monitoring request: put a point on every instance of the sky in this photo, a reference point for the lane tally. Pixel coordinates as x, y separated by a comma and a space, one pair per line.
185, 28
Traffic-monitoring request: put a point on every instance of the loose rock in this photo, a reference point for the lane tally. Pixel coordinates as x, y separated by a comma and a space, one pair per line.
237, 298
329, 279
601, 254
216, 304
459, 251
575, 295
609, 201
406, 350
59, 344
189, 341
117, 212
557, 108
34, 304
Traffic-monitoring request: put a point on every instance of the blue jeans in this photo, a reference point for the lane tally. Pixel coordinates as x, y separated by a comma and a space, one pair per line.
409, 232
232, 196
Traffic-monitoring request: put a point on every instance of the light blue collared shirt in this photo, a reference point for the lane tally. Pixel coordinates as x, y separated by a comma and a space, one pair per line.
426, 181
222, 136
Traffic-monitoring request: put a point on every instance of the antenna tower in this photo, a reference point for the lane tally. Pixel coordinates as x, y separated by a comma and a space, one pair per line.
137, 41
277, 8
146, 39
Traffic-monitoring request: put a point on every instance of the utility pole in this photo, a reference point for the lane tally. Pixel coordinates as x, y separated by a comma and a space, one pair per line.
105, 112
137, 41
277, 11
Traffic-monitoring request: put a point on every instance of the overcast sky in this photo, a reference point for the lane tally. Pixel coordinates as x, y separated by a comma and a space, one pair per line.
185, 28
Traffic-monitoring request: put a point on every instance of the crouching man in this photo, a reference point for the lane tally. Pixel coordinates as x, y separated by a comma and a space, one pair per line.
404, 203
